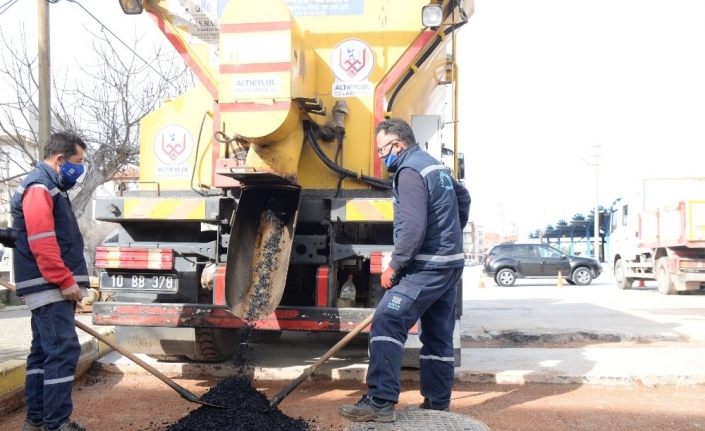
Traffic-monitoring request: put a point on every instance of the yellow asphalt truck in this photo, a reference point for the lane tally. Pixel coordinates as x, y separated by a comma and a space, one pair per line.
260, 190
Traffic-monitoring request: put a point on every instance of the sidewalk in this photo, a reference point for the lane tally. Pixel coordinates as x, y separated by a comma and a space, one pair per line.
15, 340
597, 364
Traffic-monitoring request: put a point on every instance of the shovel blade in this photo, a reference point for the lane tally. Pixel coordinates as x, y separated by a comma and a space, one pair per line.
261, 236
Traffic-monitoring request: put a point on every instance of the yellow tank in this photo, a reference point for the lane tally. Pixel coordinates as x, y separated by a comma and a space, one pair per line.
290, 94
269, 65
265, 178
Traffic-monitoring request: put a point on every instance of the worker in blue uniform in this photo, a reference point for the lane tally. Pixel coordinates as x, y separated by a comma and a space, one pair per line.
430, 211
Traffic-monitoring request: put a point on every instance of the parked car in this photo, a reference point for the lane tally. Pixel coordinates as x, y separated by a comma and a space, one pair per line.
507, 262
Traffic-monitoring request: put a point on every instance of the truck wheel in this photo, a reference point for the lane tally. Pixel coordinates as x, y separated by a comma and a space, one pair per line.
663, 277
215, 344
506, 277
623, 283
582, 276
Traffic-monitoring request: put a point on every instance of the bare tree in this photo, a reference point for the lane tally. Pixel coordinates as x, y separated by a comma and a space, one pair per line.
103, 102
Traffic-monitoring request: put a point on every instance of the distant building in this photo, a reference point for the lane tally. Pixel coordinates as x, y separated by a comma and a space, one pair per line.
490, 239
15, 163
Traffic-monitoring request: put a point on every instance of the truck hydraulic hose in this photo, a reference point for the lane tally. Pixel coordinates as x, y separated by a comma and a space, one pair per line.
195, 159
372, 181
425, 56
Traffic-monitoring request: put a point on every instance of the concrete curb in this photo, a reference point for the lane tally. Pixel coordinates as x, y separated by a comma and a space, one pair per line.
642, 366
12, 371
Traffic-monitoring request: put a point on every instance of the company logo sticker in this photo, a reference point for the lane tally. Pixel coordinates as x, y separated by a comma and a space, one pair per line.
352, 62
173, 146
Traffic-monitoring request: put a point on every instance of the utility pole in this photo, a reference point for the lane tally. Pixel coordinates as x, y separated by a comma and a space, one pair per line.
476, 240
596, 219
44, 72
501, 216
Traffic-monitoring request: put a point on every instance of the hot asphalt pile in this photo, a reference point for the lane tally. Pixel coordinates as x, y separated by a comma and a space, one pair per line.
247, 409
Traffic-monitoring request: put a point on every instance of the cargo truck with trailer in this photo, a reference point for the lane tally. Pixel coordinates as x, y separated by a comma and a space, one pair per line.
660, 235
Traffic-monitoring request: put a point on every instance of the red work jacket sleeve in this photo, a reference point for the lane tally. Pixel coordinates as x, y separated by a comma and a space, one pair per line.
38, 207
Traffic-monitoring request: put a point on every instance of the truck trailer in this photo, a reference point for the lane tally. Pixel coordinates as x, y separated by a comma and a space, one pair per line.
660, 235
260, 189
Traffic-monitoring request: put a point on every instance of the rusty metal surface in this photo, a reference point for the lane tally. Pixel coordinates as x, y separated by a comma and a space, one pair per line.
328, 319
259, 250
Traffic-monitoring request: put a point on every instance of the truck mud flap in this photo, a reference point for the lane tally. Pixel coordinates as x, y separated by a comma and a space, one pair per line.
261, 237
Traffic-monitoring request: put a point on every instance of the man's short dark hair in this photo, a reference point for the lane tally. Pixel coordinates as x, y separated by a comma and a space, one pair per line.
399, 127
63, 143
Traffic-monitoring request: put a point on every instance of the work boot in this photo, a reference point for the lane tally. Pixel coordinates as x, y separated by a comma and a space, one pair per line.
369, 410
428, 405
31, 426
70, 426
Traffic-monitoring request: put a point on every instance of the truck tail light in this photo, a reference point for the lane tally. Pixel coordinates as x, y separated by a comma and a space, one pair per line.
134, 258
379, 261
376, 262
691, 264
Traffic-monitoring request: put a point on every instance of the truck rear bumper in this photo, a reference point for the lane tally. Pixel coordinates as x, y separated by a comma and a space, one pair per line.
685, 277
328, 319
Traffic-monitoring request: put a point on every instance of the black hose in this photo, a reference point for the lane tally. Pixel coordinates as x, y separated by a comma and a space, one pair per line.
372, 181
425, 56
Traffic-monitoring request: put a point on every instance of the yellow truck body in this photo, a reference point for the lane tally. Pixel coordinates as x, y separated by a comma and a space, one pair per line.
274, 146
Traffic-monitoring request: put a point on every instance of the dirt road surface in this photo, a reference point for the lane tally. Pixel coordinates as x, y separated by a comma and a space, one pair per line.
108, 401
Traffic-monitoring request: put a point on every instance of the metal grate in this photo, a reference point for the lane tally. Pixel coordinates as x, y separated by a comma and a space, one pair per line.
412, 418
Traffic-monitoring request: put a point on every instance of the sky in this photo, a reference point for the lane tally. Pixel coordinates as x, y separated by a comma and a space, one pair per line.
70, 40
542, 83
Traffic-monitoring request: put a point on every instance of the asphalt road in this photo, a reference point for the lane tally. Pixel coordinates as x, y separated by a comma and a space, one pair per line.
541, 311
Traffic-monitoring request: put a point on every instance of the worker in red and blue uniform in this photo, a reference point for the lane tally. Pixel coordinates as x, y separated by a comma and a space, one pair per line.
51, 276
430, 211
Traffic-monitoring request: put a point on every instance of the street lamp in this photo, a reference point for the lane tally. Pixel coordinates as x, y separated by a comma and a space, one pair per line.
131, 7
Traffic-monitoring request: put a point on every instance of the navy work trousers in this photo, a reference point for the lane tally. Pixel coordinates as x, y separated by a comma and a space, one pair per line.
428, 295
51, 364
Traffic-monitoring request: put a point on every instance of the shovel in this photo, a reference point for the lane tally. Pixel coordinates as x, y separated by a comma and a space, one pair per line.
186, 394
189, 396
310, 370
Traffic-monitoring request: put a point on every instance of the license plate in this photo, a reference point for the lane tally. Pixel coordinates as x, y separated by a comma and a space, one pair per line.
142, 282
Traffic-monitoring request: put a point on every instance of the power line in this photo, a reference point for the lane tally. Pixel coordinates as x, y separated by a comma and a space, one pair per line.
8, 4
124, 44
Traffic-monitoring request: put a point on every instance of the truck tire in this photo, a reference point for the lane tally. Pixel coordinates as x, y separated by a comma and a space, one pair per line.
215, 344
664, 281
623, 283
582, 276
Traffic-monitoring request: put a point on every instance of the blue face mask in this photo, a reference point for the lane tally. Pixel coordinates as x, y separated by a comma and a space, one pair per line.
70, 173
389, 159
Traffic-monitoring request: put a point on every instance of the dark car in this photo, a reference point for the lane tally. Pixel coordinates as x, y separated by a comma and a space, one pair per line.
507, 262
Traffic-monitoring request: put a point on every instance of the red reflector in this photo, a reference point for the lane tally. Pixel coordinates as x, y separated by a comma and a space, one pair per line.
376, 262
134, 258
